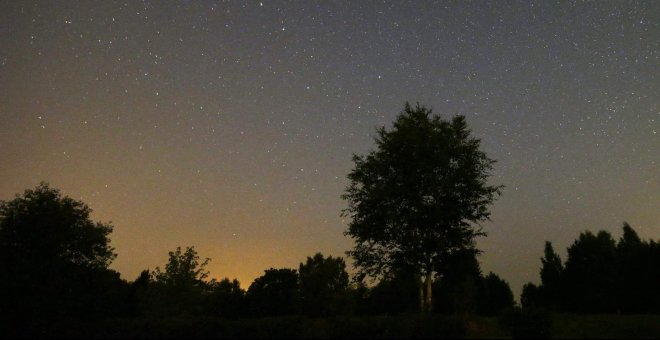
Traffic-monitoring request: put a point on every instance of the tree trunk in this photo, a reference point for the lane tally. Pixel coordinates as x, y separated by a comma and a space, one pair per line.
429, 287
425, 283
422, 300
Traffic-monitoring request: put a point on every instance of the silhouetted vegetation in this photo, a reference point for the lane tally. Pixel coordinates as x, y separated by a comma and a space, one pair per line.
54, 262
414, 203
600, 275
275, 293
324, 286
416, 200
181, 288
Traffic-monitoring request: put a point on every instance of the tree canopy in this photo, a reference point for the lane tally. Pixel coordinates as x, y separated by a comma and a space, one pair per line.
322, 280
54, 258
418, 197
274, 293
183, 271
600, 275
44, 228
182, 286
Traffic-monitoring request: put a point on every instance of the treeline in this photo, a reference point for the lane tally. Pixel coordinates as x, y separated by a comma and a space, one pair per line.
320, 287
600, 275
56, 277
55, 264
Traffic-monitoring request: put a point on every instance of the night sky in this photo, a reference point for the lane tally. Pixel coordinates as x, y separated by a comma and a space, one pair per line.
230, 126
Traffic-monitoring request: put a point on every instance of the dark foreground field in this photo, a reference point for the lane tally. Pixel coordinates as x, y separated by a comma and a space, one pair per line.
406, 326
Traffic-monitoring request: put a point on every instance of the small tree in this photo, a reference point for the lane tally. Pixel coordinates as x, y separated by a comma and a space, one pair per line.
183, 271
181, 287
416, 199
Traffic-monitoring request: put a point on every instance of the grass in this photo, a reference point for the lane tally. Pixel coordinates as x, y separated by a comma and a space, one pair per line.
605, 326
375, 327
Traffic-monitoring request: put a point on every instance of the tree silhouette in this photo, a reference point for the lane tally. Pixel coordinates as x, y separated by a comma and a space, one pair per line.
591, 273
137, 295
638, 278
462, 289
530, 296
551, 272
180, 288
394, 294
183, 271
322, 281
43, 228
600, 276
417, 198
495, 295
457, 286
54, 261
274, 293
226, 299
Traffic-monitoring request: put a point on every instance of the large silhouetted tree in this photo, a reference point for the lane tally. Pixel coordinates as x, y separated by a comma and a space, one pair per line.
54, 258
418, 197
322, 281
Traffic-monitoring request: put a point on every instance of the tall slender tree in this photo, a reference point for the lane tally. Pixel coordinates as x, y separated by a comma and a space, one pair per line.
551, 272
418, 198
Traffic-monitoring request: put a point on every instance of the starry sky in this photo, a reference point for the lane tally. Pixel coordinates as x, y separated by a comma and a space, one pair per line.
230, 126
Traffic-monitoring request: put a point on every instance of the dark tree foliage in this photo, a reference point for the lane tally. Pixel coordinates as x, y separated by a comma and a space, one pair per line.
226, 299
181, 287
137, 293
275, 293
395, 294
639, 273
600, 276
323, 282
462, 288
495, 295
551, 266
417, 197
551, 272
54, 260
590, 273
457, 286
530, 296
183, 271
